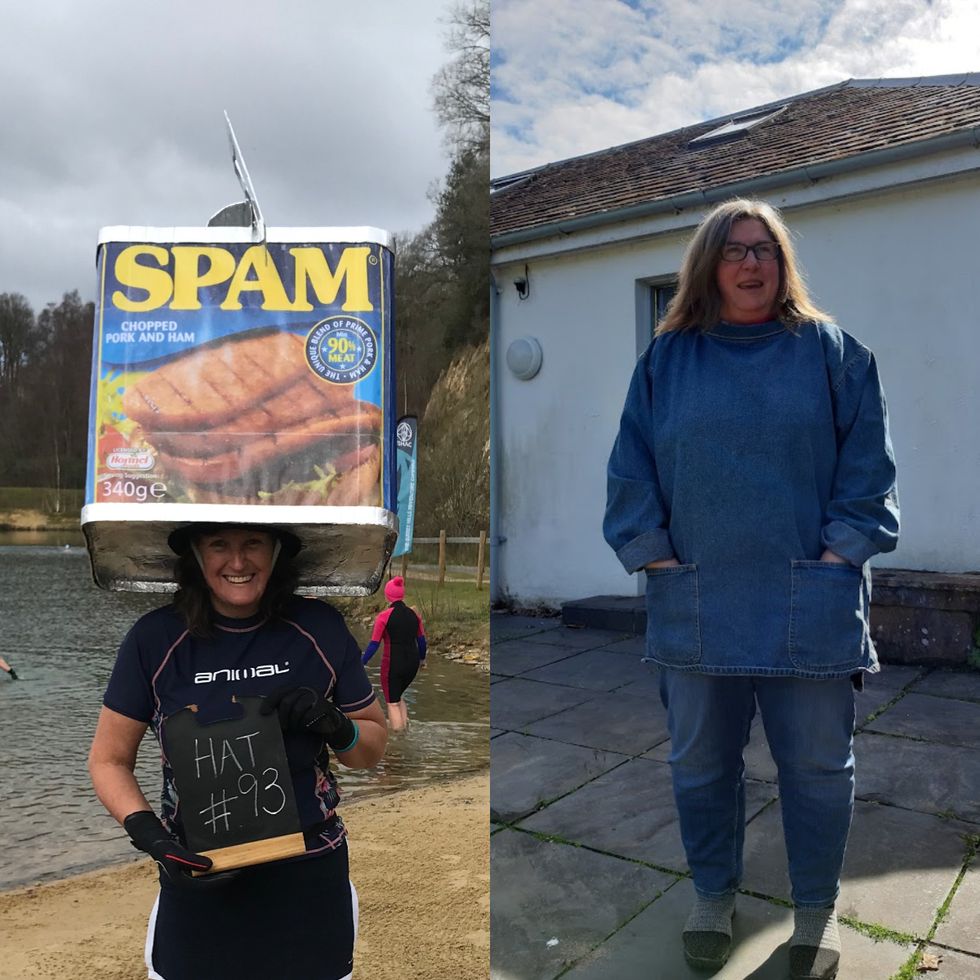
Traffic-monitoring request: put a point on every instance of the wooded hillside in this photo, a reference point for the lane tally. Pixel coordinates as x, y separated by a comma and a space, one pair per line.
454, 449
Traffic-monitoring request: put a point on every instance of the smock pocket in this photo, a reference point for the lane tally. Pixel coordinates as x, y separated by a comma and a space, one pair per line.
828, 617
673, 617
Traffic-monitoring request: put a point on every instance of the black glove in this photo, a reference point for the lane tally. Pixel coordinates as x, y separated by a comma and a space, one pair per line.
148, 834
301, 709
13, 674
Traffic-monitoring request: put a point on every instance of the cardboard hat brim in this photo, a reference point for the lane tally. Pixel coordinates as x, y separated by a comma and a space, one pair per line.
180, 539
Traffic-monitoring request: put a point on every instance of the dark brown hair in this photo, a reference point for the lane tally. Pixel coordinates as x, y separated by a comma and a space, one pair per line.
697, 303
193, 598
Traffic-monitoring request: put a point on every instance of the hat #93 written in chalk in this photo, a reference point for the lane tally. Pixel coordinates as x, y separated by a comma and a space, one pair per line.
232, 777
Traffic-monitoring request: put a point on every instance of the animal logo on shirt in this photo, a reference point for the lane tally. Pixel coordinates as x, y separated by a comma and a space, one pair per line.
240, 673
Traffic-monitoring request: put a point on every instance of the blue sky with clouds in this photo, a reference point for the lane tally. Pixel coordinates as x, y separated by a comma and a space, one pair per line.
574, 76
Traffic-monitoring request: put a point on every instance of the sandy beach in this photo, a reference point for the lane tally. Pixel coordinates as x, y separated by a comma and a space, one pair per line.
433, 907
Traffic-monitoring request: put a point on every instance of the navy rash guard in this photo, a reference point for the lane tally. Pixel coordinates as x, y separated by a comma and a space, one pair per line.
161, 668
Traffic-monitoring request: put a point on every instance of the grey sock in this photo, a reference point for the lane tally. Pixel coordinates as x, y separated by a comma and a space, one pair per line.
816, 928
711, 915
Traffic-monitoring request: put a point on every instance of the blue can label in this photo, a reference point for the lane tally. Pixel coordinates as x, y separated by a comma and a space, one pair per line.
231, 372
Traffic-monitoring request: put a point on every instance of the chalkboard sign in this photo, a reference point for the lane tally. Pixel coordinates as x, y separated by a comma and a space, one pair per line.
236, 796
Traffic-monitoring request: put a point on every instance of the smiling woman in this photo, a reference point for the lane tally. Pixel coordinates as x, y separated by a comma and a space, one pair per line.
234, 571
235, 631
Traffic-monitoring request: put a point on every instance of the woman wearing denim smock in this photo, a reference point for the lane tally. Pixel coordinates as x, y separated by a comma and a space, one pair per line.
752, 479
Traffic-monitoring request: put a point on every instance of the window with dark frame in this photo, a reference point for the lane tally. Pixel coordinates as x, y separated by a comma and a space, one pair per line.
660, 296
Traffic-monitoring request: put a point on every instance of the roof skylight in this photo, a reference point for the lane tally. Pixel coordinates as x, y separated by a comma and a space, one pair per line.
736, 126
499, 183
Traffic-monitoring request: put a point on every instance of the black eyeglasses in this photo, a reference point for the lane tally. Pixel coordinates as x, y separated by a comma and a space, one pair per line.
736, 251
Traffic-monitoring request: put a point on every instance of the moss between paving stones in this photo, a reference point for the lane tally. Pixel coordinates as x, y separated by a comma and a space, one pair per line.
910, 971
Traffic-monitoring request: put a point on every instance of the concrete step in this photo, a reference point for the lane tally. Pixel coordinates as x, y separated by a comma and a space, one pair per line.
626, 614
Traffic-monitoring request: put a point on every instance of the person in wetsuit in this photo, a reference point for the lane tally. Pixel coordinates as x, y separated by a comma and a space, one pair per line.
237, 628
401, 628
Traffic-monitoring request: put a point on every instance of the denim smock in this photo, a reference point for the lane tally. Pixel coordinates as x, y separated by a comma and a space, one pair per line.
744, 452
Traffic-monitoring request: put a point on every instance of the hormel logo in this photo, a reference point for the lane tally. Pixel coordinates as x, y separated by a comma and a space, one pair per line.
130, 459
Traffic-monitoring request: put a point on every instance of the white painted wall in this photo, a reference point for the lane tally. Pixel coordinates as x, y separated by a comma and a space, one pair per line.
557, 429
899, 270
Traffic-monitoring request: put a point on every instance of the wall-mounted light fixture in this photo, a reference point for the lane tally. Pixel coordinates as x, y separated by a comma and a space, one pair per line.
524, 358
523, 284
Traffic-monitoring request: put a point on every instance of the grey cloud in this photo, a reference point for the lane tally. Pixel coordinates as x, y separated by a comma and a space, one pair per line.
112, 114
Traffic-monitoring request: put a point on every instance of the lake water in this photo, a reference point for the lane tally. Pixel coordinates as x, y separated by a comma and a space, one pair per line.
61, 633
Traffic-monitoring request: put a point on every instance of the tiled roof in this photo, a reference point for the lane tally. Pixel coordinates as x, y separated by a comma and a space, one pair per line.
829, 124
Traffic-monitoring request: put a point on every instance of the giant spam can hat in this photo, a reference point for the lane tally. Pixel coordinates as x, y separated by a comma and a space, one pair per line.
242, 382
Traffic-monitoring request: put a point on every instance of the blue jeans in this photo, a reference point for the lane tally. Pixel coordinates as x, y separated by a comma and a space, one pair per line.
809, 725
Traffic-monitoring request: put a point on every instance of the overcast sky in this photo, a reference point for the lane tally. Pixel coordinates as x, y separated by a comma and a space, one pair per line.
573, 76
111, 114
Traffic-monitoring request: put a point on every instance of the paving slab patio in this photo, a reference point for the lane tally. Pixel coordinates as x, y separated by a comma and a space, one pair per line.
527, 772
506, 627
872, 699
632, 646
894, 676
579, 772
923, 776
648, 947
550, 903
595, 670
964, 684
517, 702
618, 722
514, 657
953, 965
647, 685
899, 868
961, 927
578, 638
629, 811
923, 716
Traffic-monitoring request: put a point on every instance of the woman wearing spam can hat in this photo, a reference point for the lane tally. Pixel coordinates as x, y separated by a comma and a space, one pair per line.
235, 611
401, 628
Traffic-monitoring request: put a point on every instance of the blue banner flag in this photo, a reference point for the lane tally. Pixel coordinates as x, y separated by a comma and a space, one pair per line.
406, 469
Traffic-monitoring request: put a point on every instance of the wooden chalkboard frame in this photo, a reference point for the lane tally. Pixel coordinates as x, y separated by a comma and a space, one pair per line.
239, 761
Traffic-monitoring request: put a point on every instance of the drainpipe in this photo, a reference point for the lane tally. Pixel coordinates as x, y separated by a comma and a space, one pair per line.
496, 456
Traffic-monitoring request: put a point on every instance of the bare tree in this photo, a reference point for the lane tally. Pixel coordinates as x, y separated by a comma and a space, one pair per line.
461, 88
